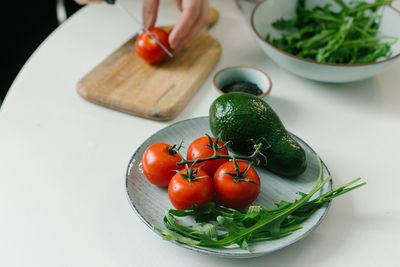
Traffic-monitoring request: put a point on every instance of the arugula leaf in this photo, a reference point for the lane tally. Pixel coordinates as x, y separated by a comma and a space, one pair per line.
174, 236
282, 24
222, 226
326, 35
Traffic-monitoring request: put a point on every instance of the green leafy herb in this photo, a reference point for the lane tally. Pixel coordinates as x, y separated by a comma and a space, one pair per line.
349, 35
222, 226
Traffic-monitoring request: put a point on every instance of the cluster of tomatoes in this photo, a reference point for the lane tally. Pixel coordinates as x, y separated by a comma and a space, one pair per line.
235, 183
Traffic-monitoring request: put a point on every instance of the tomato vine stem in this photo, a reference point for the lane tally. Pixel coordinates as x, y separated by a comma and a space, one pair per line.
253, 157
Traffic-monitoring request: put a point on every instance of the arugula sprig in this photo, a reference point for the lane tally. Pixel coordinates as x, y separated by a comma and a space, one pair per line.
223, 227
347, 36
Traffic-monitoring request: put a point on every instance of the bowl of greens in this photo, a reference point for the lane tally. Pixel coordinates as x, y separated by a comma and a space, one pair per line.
329, 40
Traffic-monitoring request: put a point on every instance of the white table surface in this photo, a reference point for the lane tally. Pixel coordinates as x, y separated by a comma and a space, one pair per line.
63, 159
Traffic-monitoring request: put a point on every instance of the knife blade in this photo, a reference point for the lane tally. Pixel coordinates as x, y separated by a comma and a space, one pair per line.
138, 23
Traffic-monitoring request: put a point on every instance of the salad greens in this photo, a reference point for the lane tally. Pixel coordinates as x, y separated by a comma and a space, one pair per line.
222, 226
348, 36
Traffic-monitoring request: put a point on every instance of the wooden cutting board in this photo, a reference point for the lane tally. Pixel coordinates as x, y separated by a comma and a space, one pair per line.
126, 83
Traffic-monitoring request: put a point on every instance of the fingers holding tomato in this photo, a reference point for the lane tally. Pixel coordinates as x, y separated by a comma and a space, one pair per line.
203, 148
185, 192
148, 49
159, 162
236, 186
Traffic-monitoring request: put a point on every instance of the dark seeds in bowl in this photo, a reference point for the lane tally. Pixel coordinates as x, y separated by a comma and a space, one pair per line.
242, 86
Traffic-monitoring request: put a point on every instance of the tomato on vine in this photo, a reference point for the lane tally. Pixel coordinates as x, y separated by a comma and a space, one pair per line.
204, 147
159, 162
236, 184
189, 187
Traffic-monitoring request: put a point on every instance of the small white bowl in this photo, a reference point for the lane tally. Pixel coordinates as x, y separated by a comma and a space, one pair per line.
265, 13
253, 75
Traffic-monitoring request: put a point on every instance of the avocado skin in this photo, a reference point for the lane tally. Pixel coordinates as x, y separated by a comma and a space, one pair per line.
239, 117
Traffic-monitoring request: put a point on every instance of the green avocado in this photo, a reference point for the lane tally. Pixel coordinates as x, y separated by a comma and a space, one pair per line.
238, 118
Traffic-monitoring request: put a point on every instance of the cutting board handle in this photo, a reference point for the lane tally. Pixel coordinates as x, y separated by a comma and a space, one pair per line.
212, 17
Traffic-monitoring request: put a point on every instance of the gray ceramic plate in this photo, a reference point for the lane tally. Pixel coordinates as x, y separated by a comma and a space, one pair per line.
151, 202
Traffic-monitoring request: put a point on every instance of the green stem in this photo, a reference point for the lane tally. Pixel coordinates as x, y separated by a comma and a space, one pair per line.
371, 39
252, 157
369, 6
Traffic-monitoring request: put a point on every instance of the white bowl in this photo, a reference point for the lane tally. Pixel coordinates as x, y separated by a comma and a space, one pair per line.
265, 13
231, 74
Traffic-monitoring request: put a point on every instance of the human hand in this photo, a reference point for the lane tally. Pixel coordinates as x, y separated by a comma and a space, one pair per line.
193, 18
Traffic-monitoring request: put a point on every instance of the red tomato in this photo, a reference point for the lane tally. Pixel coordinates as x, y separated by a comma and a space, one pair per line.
236, 194
158, 164
148, 49
184, 194
200, 148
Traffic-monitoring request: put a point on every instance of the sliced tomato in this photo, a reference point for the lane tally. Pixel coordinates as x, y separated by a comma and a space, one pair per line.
148, 49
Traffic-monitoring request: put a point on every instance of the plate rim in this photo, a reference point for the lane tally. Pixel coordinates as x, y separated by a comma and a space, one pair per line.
207, 250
